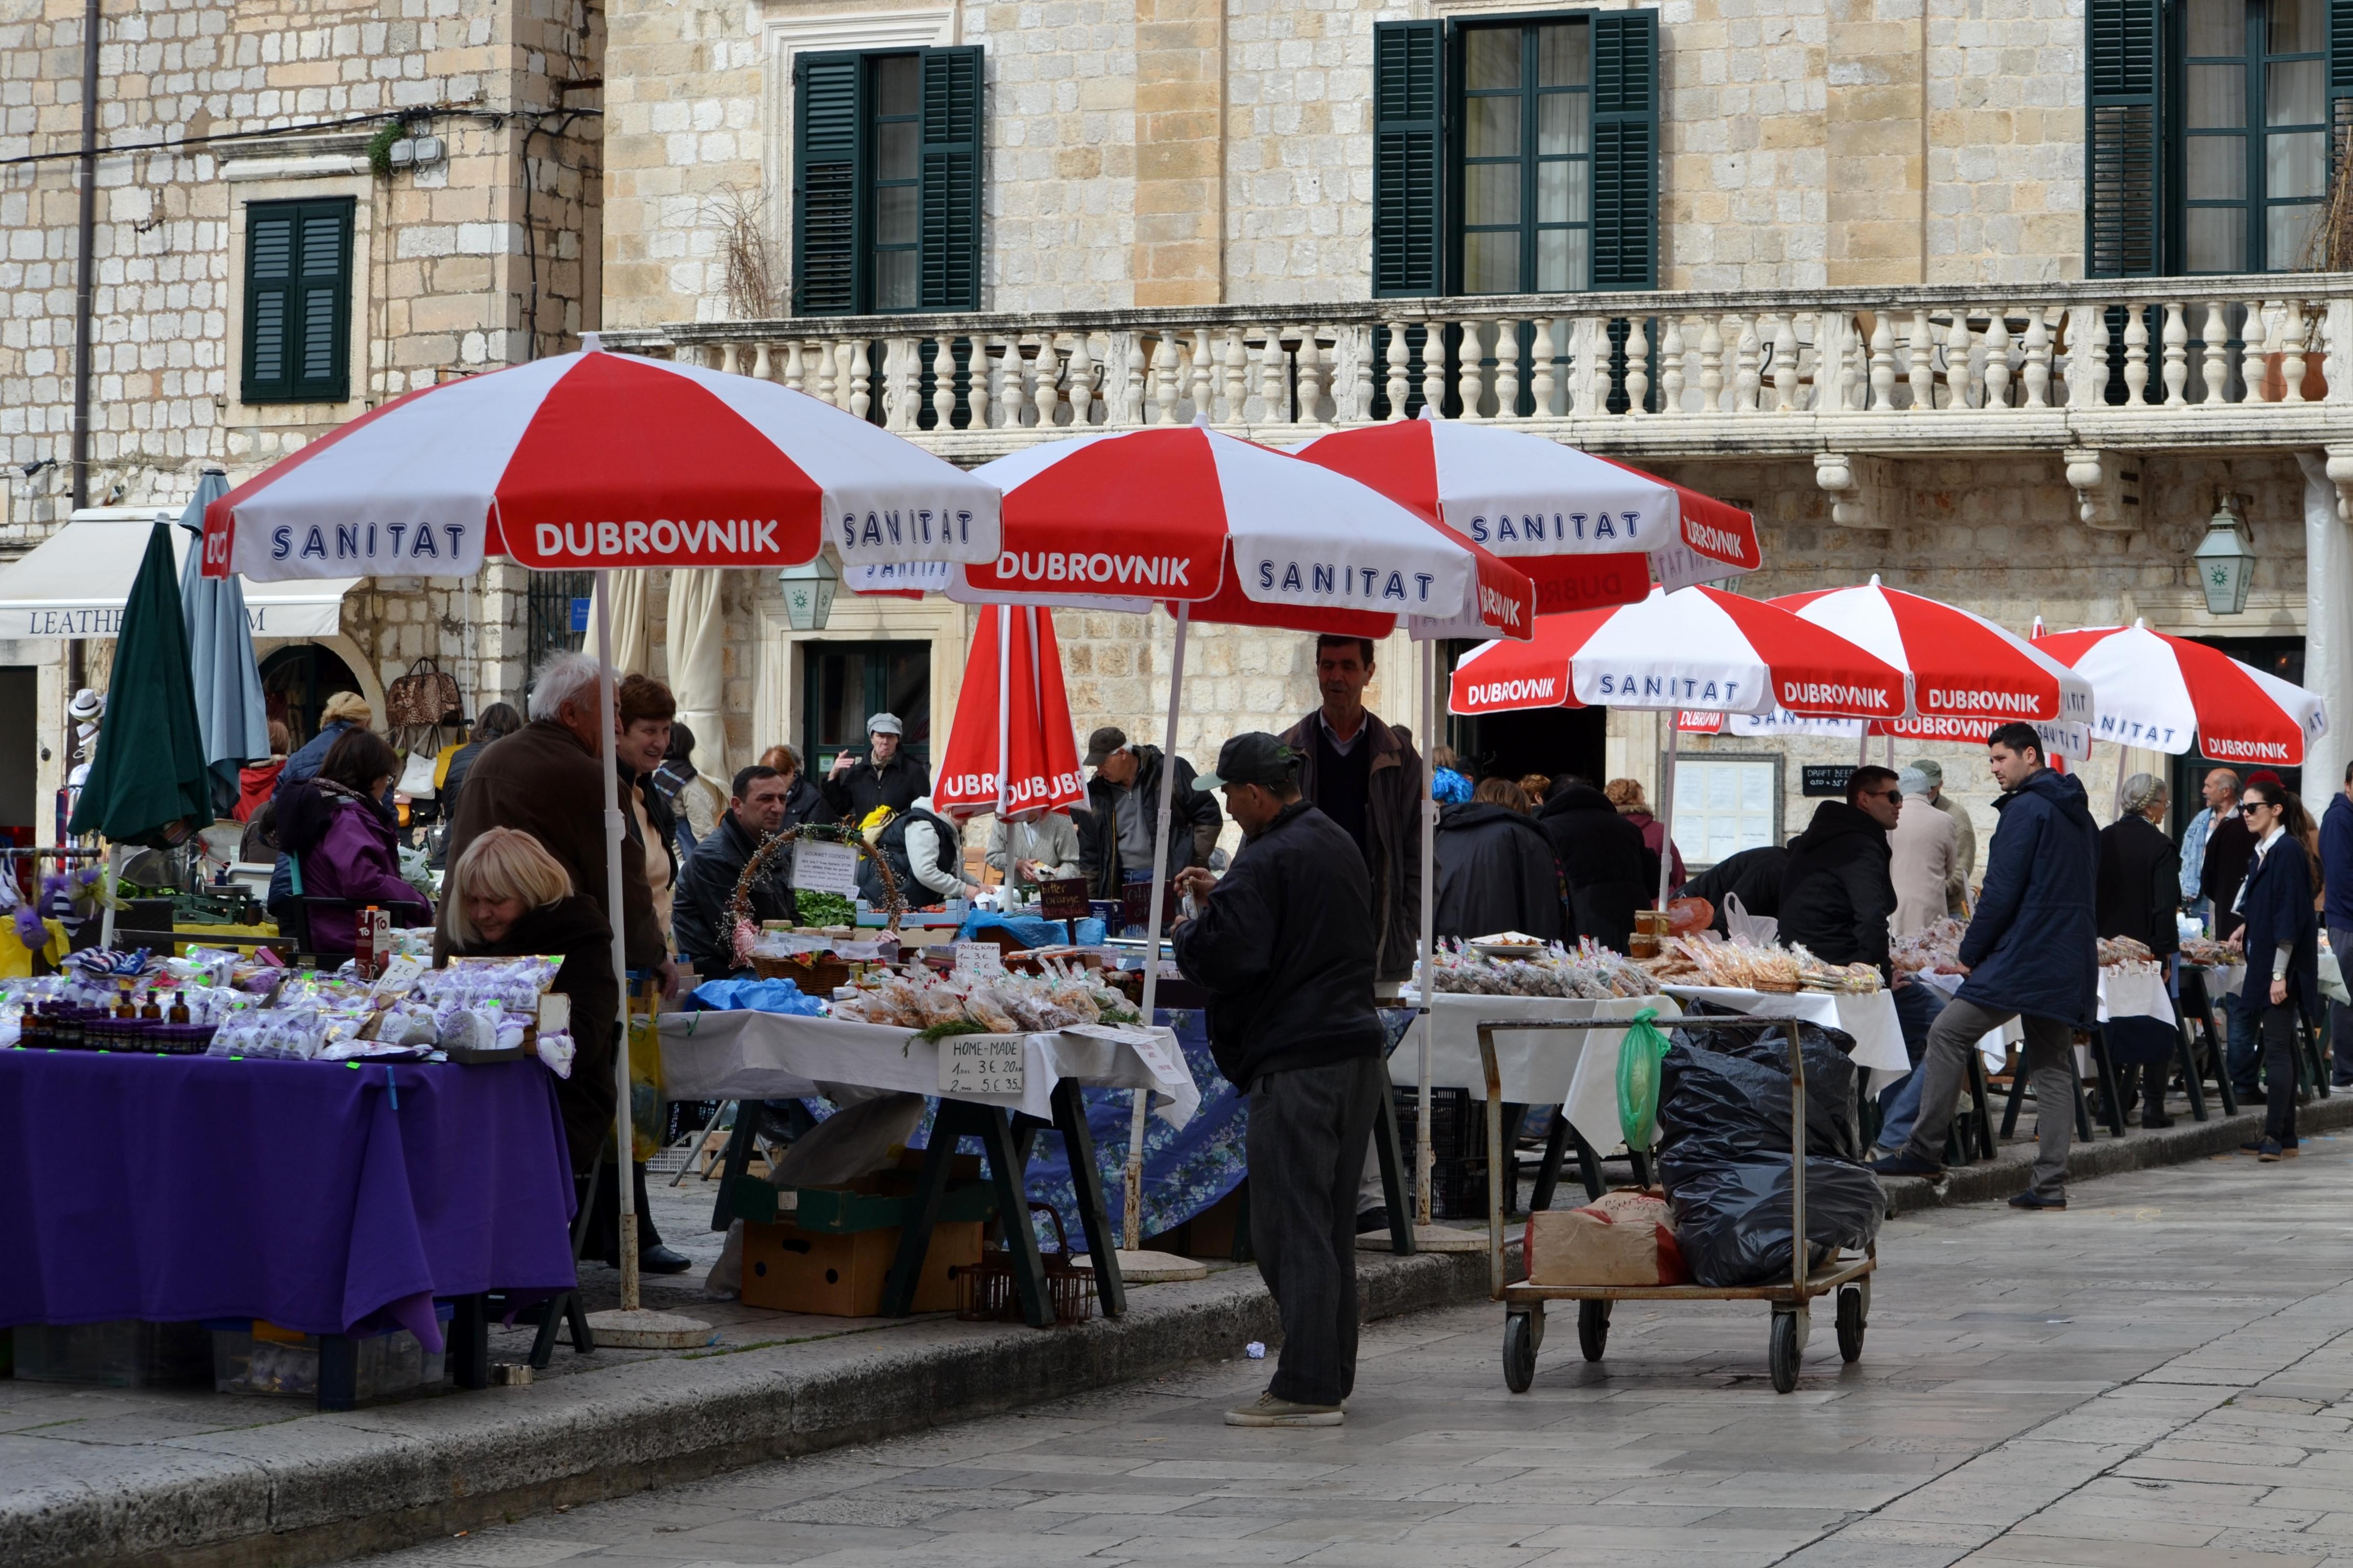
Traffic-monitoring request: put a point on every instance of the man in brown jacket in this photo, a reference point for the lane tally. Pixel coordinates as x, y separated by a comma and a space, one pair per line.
547, 780
1367, 777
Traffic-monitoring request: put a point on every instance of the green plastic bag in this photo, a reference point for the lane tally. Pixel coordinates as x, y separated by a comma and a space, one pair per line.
1638, 1080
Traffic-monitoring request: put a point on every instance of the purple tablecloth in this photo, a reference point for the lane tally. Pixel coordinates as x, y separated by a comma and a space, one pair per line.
321, 1196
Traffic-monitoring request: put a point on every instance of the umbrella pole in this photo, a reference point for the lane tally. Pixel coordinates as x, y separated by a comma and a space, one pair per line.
629, 1327
1132, 1213
1424, 1158
107, 903
1667, 807
1004, 731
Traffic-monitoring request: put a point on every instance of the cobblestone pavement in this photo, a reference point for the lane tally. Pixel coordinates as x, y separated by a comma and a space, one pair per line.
2161, 1375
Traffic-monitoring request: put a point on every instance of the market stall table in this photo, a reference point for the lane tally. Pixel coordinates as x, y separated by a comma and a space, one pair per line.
331, 1198
751, 1055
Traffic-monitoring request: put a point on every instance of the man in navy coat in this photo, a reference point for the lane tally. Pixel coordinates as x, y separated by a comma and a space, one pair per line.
2030, 953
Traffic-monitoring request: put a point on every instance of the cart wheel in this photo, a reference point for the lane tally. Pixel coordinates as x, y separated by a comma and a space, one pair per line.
1849, 1323
1519, 1354
1785, 1352
1592, 1328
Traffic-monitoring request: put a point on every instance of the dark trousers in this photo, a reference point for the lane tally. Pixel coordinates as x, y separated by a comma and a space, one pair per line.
2340, 1016
2279, 1027
2047, 1058
2246, 1049
604, 1238
1309, 1129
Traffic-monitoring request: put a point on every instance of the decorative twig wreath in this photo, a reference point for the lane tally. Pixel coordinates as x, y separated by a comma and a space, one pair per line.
738, 903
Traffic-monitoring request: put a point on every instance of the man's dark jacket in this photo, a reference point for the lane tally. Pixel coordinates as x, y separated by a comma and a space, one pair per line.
574, 930
2140, 887
1285, 950
1600, 857
2278, 909
1392, 834
807, 803
1836, 892
1193, 821
2032, 944
543, 780
2337, 859
2230, 849
1494, 873
698, 911
1753, 875
897, 784
891, 846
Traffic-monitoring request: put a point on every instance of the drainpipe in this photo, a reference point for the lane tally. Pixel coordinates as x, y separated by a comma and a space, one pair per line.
76, 655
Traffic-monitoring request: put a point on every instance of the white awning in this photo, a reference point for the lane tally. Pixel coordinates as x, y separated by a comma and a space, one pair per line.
74, 584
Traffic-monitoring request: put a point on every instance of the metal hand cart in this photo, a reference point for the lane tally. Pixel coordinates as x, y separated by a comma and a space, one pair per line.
1524, 1303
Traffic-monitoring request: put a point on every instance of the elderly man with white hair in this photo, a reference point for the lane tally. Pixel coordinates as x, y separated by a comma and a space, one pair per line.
547, 779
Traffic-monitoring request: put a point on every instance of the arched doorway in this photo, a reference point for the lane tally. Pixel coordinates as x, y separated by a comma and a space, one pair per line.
297, 680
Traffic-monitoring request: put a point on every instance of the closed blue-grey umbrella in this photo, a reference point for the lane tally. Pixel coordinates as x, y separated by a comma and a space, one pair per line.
229, 709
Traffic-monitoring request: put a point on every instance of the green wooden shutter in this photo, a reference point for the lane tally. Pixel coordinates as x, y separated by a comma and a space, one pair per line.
826, 181
1408, 145
2124, 223
298, 302
949, 196
2340, 113
1626, 150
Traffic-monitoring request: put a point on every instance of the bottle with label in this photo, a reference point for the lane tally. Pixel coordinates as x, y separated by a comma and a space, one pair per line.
154, 1011
124, 1007
363, 943
32, 1031
180, 1007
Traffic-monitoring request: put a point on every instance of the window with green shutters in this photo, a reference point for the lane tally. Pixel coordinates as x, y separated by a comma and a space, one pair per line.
298, 301
1516, 155
886, 182
2211, 127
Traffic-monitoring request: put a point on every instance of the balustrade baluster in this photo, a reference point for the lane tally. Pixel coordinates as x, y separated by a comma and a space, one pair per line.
724, 357
1711, 364
1237, 368
1784, 362
1433, 367
1399, 361
1309, 359
1847, 375
1080, 367
2135, 353
1960, 384
1997, 358
760, 368
943, 384
1126, 360
1589, 373
1274, 379
899, 384
1638, 368
1544, 378
829, 370
1164, 390
1507, 369
861, 379
1012, 396
2291, 332
1360, 376
1049, 374
1671, 367
2175, 337
2038, 357
1883, 365
2214, 359
1747, 380
1470, 370
796, 371
1198, 373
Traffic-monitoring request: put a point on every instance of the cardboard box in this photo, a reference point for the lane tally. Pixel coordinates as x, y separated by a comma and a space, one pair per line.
788, 1270
1620, 1238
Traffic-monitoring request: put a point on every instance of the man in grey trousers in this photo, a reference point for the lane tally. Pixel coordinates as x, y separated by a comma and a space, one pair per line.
2030, 953
1284, 943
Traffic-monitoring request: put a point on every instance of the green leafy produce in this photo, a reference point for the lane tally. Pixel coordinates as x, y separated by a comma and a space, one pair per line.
825, 909
952, 1027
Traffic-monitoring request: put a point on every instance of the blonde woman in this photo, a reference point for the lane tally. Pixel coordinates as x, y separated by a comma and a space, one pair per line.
506, 897
1625, 795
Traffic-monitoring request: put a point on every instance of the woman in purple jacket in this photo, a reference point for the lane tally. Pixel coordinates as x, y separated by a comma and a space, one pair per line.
341, 835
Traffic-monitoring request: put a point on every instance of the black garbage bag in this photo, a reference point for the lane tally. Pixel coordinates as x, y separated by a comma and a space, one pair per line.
1732, 1218
1736, 1100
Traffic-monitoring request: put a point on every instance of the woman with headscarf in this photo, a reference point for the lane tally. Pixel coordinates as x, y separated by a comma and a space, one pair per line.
2138, 895
2281, 938
342, 838
1625, 795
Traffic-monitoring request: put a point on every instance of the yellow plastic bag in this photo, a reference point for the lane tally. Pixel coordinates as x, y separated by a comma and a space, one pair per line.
648, 1110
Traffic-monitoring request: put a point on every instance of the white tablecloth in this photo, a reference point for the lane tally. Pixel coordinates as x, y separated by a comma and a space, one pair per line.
1573, 1067
2122, 995
2229, 982
750, 1055
1869, 1016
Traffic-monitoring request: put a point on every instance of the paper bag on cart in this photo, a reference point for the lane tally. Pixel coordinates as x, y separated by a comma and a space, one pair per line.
1620, 1238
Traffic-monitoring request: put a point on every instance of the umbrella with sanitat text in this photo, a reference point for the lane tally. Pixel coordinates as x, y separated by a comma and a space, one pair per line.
147, 782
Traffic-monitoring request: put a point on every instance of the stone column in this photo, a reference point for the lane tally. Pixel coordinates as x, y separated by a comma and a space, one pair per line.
2328, 626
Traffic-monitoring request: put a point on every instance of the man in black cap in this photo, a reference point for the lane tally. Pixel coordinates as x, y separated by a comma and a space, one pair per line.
1283, 943
1123, 798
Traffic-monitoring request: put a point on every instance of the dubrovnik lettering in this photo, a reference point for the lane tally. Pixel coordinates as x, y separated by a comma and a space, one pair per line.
1957, 700
1505, 528
659, 540
1078, 566
1720, 542
403, 542
2223, 748
1324, 581
1498, 608
1538, 689
895, 527
1845, 698
1658, 690
1034, 789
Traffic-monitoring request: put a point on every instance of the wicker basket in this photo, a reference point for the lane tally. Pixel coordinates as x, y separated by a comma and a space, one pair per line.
989, 1296
739, 904
817, 973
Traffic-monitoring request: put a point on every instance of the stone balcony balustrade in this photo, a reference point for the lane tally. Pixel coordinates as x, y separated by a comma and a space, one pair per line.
2092, 371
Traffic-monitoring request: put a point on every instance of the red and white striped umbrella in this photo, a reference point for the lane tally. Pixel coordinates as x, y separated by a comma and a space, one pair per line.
1963, 667
1012, 724
1697, 647
2169, 694
587, 460
1590, 531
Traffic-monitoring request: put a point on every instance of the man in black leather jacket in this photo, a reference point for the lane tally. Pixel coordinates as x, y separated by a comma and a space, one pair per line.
1285, 946
706, 938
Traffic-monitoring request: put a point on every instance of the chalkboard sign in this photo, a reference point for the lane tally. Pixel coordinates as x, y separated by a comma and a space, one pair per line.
1828, 778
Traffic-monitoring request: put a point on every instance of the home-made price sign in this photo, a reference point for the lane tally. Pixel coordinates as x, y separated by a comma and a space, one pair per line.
981, 1065
980, 958
825, 868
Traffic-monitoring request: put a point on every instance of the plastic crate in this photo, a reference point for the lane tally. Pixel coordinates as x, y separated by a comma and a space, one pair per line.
125, 1353
268, 1360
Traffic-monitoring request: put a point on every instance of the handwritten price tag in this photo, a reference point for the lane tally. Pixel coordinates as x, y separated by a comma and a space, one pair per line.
974, 1066
980, 958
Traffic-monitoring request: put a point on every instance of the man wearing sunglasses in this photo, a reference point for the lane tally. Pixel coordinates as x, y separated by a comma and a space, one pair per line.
1837, 895
2029, 953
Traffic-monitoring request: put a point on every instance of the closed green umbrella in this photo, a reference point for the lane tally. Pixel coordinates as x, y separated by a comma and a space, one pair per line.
147, 783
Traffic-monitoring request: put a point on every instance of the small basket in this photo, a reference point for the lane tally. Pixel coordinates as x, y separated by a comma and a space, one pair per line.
817, 973
988, 1294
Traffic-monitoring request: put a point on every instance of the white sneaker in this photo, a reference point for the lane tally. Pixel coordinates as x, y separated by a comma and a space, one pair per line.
1269, 1411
